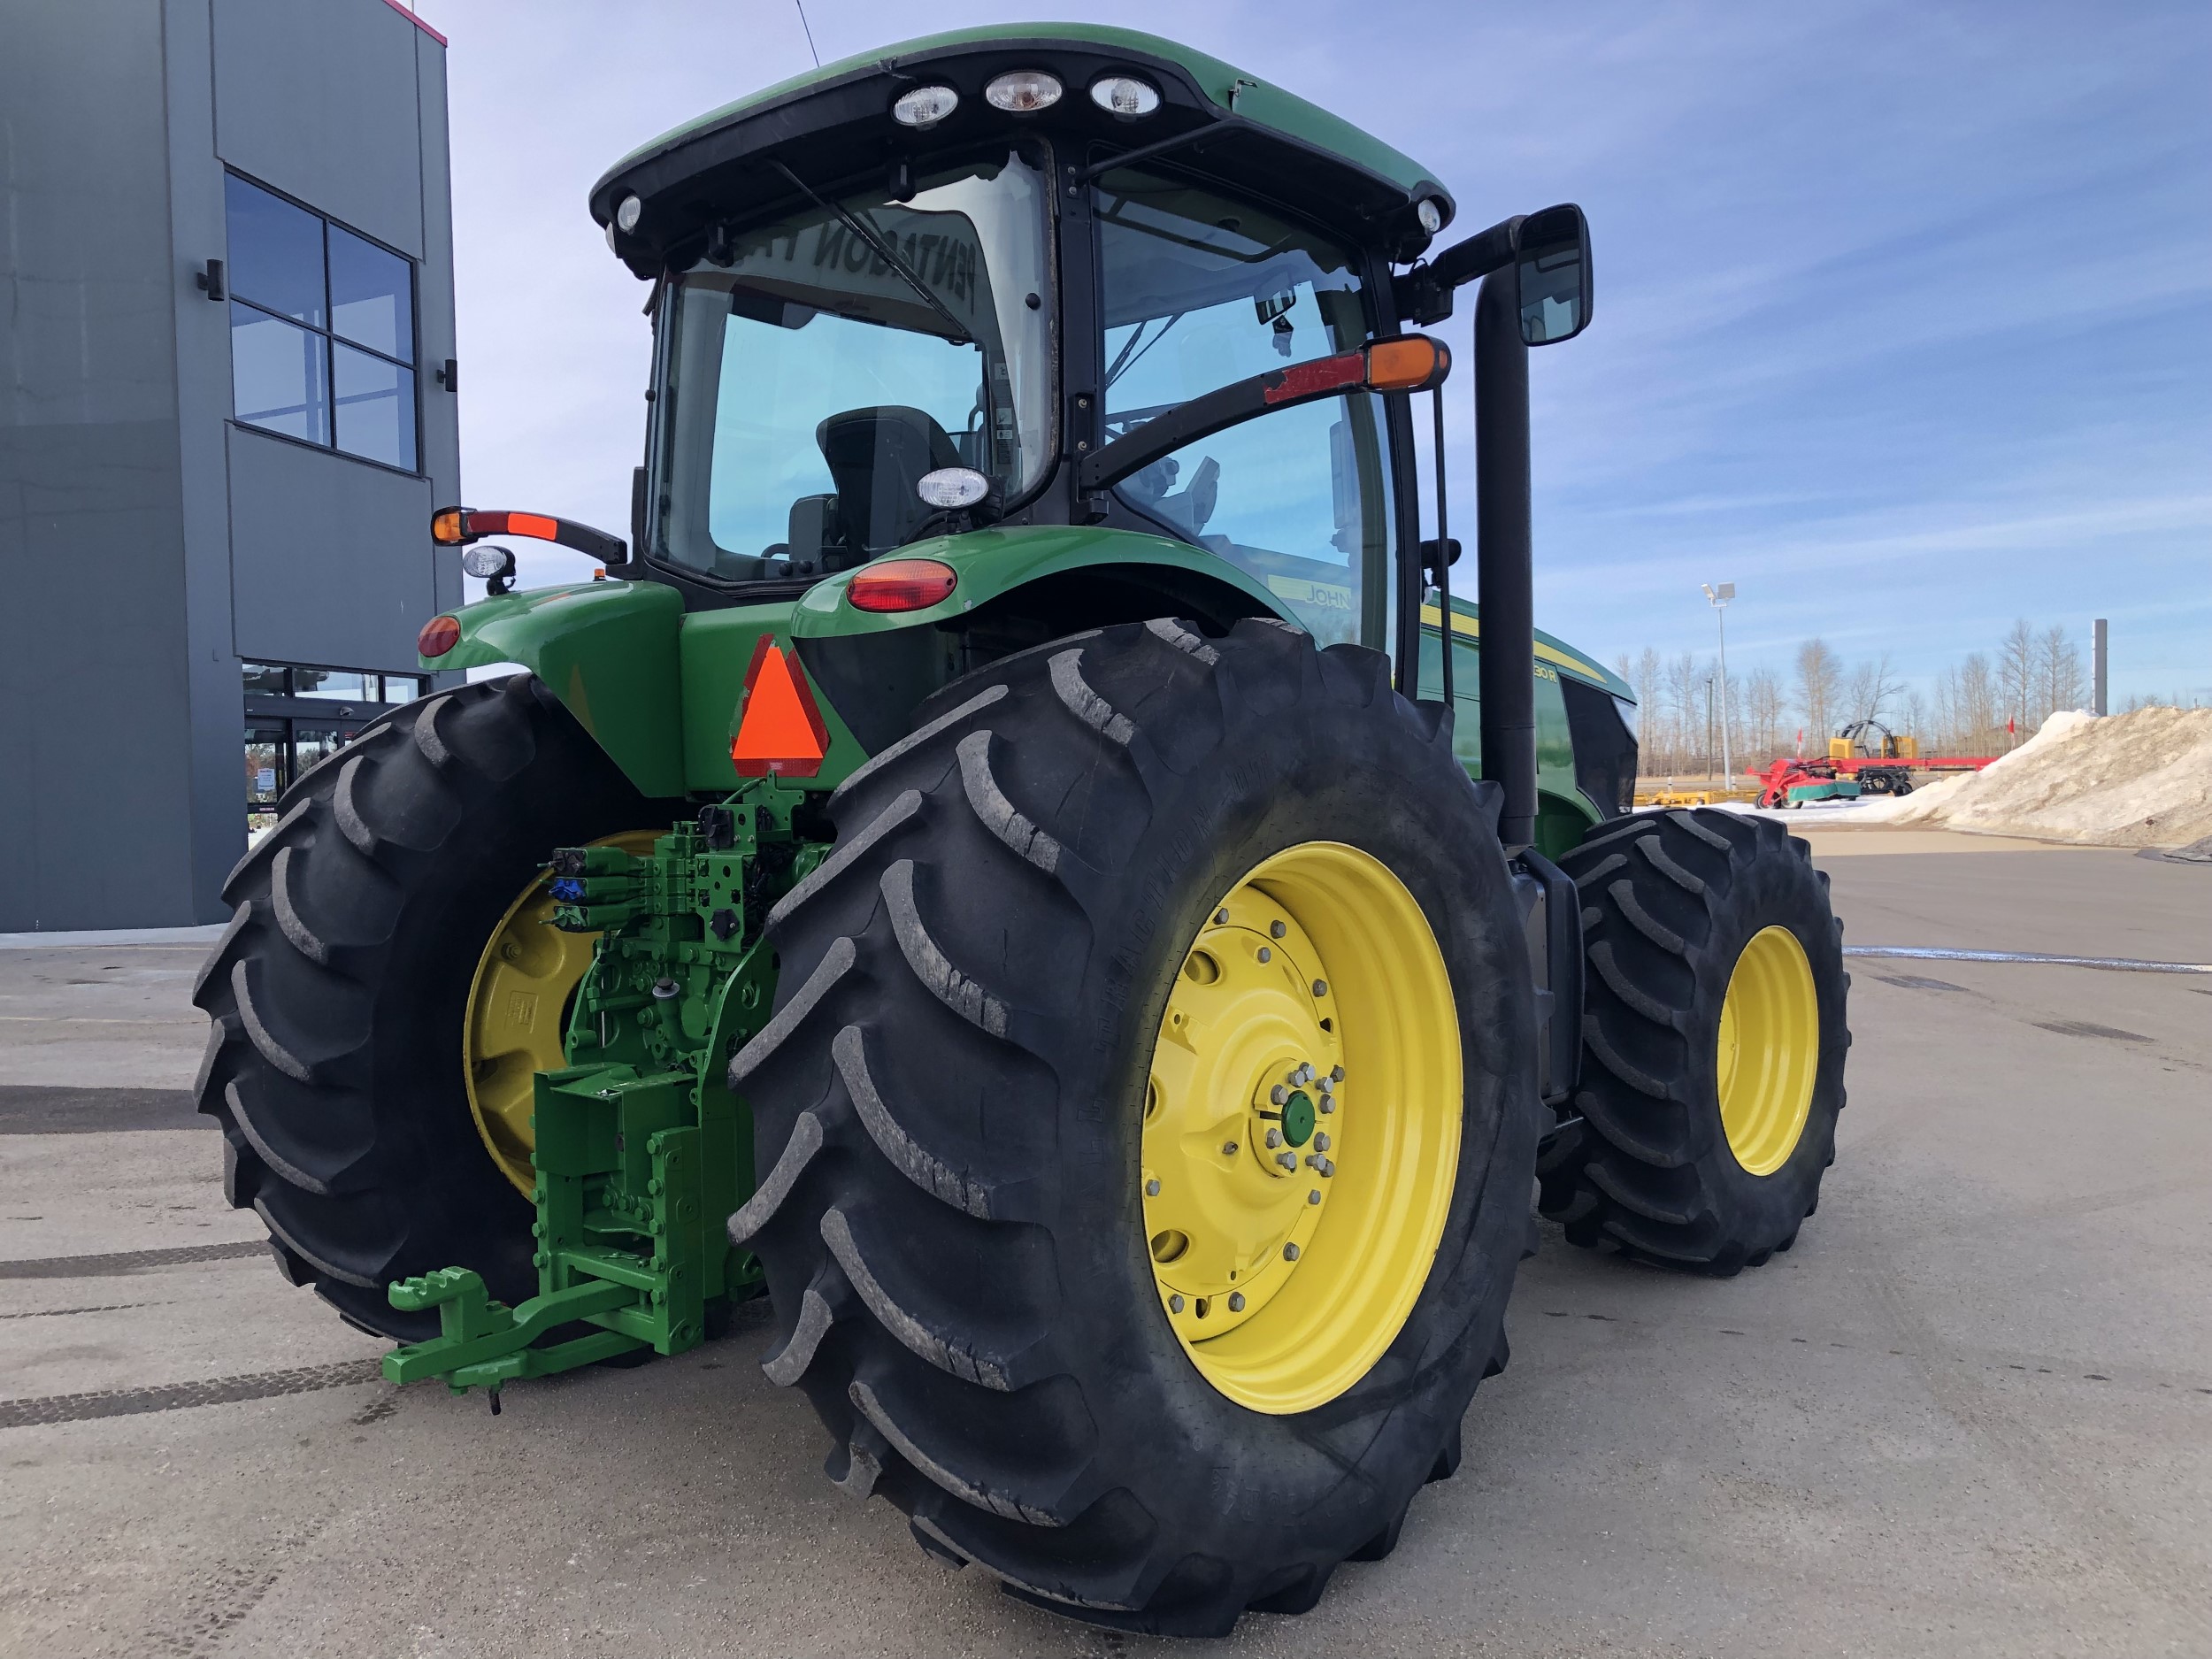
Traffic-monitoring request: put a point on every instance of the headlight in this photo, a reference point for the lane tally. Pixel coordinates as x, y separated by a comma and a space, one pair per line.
484, 561
1023, 91
627, 212
1429, 211
951, 487
1124, 96
924, 107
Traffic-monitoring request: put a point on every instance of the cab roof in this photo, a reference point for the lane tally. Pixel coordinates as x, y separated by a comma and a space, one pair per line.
832, 124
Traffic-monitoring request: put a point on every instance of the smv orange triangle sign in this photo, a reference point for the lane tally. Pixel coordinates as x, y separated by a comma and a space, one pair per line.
780, 732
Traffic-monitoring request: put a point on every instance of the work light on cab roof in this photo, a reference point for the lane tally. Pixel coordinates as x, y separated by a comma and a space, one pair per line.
1023, 91
1124, 96
922, 107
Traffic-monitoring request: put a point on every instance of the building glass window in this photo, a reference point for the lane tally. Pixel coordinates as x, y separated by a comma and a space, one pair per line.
298, 715
264, 774
337, 684
322, 330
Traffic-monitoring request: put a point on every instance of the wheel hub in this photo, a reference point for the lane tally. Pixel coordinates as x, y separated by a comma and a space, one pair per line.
1248, 1107
1227, 1181
1768, 1052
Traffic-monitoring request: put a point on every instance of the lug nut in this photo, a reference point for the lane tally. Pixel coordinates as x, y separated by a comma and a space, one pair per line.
1314, 1197
1274, 1139
1152, 1189
1266, 955
1288, 1160
1328, 1102
1305, 1073
1290, 1252
1337, 1075
1326, 1167
1321, 1143
1175, 1304
1276, 930
1236, 1302
1277, 1094
1320, 988
1221, 917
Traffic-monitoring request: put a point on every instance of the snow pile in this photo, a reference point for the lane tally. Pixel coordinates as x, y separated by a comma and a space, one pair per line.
2140, 780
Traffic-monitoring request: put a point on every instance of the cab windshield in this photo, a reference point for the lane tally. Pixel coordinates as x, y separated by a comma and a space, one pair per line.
818, 366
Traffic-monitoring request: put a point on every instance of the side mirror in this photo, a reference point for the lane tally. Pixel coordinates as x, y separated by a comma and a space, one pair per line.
1554, 275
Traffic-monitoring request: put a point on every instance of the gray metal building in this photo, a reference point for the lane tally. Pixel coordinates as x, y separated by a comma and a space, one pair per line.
226, 410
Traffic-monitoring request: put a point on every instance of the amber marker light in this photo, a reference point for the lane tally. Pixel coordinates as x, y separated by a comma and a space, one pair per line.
901, 585
1414, 364
450, 526
439, 635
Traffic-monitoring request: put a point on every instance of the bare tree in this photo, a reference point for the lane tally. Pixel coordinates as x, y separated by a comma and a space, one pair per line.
1685, 707
2016, 675
1763, 713
1943, 714
1819, 683
1871, 689
2058, 672
1646, 680
1977, 718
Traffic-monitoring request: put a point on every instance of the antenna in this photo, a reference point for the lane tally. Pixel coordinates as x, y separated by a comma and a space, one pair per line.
809, 28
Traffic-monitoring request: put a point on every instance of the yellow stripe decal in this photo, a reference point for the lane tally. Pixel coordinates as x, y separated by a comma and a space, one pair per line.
1470, 628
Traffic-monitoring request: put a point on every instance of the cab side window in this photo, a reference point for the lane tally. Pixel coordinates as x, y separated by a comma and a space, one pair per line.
1198, 291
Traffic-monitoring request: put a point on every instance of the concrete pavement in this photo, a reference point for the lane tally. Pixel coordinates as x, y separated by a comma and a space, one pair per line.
1971, 1413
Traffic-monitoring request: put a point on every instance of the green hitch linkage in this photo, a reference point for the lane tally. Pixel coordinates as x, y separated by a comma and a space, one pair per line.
484, 1344
641, 1156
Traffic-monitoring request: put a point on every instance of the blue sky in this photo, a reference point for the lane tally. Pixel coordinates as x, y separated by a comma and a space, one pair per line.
1904, 316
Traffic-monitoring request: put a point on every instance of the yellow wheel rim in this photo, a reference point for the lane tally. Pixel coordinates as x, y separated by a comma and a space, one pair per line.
1770, 1050
517, 1006
1313, 1010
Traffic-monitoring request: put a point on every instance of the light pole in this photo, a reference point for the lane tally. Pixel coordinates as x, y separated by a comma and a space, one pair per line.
1718, 598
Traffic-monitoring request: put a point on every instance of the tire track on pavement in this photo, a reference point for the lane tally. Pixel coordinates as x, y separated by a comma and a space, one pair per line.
212, 1391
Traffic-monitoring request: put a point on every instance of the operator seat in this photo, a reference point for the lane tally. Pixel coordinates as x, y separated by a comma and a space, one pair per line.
877, 456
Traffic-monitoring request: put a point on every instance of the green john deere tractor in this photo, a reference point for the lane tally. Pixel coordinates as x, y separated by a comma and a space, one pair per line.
1012, 864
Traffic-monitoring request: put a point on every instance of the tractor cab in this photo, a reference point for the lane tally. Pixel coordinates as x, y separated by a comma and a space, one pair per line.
946, 287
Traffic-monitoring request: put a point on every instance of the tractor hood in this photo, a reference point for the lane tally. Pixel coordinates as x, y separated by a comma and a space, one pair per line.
834, 125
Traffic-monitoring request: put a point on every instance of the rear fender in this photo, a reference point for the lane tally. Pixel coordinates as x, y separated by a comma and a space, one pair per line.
608, 650
995, 562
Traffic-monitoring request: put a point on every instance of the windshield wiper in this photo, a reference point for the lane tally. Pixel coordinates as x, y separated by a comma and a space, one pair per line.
889, 255
1126, 361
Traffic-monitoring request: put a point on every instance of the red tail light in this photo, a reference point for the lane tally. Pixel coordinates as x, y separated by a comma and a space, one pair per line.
439, 635
901, 585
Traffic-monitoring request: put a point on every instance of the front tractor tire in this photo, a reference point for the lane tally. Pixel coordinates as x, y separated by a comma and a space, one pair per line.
1149, 1118
1714, 1037
382, 994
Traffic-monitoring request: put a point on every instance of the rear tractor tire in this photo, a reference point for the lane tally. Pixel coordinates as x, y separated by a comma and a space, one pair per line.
383, 994
1714, 1037
1149, 1118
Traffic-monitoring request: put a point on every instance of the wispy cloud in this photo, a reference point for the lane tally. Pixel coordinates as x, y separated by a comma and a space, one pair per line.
1905, 307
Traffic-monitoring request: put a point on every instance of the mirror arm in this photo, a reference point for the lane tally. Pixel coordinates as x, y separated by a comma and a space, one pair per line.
1425, 293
